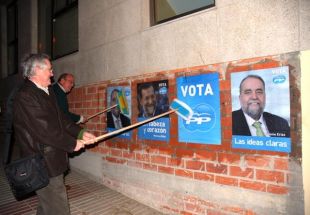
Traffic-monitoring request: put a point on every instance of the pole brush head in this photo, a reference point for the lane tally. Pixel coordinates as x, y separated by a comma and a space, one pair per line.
122, 102
182, 109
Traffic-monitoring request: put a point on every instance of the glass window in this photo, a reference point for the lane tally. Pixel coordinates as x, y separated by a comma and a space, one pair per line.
12, 41
65, 28
165, 10
59, 5
45, 26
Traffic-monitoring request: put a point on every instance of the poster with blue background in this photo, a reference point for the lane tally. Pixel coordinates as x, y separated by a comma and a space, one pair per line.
152, 101
270, 107
115, 118
202, 94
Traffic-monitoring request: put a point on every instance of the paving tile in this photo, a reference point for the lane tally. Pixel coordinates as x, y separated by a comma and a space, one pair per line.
86, 197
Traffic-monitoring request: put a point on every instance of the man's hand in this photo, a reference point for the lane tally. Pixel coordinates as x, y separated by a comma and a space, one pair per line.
79, 144
89, 138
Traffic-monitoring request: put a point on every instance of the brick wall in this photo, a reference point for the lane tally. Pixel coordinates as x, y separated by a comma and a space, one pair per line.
260, 171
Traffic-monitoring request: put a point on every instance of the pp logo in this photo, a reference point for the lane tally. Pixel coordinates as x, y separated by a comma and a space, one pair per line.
199, 118
279, 79
203, 119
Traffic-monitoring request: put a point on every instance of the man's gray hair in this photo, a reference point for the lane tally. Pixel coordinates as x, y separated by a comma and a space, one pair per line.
30, 61
251, 76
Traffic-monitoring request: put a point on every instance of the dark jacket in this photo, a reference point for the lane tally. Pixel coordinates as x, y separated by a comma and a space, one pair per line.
277, 126
37, 120
63, 103
124, 120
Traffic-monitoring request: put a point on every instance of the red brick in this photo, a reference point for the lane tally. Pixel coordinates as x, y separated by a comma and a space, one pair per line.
157, 159
277, 189
165, 150
225, 85
121, 145
142, 157
237, 171
195, 165
281, 164
226, 181
150, 167
227, 133
115, 160
257, 161
104, 150
194, 208
273, 176
235, 210
88, 105
216, 168
91, 90
116, 152
203, 176
226, 122
77, 105
128, 155
205, 155
166, 169
184, 153
228, 158
265, 64
252, 185
184, 173
235, 68
207, 203
185, 213
175, 162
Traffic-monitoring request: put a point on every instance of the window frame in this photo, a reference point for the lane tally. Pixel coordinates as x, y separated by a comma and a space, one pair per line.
70, 5
153, 13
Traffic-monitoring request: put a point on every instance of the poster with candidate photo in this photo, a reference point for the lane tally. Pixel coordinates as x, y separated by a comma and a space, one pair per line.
261, 109
202, 94
152, 101
118, 117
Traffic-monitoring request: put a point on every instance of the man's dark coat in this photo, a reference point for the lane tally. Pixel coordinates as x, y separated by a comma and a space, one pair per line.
37, 120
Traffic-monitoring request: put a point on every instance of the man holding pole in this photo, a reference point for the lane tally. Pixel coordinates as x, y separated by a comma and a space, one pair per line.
63, 86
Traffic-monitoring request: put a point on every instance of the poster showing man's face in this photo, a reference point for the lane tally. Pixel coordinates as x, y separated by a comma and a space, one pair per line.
152, 98
261, 109
252, 96
116, 117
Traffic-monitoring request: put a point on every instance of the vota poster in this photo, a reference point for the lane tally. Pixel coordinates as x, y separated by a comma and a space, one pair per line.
261, 109
201, 93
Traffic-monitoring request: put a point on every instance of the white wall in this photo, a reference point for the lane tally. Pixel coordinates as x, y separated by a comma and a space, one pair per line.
116, 40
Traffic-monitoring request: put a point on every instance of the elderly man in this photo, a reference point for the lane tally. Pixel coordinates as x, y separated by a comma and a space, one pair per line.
63, 86
41, 127
251, 120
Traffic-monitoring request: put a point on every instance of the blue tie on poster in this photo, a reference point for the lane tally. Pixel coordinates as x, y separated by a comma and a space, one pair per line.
202, 94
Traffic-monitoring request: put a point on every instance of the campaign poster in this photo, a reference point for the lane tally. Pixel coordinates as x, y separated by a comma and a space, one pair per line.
152, 101
118, 117
201, 93
261, 109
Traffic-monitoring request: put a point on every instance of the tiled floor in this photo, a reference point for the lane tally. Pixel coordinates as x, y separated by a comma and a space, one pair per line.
86, 197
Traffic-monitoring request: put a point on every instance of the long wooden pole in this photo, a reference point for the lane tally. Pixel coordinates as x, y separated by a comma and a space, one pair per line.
98, 113
113, 133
